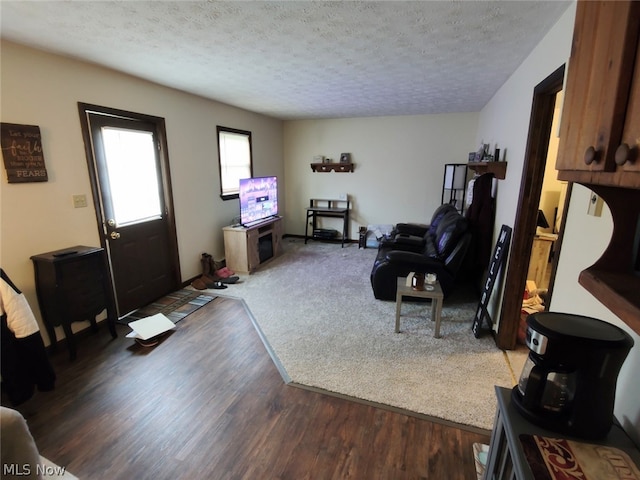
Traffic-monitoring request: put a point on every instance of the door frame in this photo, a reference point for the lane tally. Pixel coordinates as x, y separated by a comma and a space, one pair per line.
542, 110
165, 171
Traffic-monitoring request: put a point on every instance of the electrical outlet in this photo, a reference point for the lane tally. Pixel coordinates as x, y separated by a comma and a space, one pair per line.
79, 201
595, 205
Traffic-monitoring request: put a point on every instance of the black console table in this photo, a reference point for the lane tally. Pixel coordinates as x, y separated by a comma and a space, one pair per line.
507, 459
72, 285
319, 207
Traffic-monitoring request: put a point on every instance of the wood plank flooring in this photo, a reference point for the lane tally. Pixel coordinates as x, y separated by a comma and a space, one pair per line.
209, 403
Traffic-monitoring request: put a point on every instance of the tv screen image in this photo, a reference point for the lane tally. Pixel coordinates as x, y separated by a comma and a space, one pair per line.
258, 199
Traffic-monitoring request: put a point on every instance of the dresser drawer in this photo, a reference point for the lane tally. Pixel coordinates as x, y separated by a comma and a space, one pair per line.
72, 286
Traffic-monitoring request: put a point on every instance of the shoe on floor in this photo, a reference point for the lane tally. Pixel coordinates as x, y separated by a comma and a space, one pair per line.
215, 278
224, 272
229, 280
199, 284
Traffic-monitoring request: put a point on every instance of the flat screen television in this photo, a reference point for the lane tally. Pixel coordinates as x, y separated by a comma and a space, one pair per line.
258, 199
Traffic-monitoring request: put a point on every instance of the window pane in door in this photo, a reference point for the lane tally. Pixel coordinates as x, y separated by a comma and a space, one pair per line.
131, 168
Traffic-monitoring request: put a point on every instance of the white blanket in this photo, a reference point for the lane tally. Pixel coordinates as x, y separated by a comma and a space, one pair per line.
20, 318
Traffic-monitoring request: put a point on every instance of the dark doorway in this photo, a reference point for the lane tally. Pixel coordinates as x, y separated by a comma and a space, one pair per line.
129, 171
542, 111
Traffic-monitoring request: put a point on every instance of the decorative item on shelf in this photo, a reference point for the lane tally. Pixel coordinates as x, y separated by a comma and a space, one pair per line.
318, 159
484, 162
345, 158
479, 156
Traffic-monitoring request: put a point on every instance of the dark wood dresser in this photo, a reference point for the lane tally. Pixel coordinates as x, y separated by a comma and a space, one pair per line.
72, 285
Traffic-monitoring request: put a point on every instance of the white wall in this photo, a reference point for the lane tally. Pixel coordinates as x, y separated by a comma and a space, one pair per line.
506, 120
42, 89
399, 165
585, 239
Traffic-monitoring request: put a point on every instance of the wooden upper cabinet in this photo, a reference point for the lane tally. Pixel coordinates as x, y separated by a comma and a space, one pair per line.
601, 110
628, 153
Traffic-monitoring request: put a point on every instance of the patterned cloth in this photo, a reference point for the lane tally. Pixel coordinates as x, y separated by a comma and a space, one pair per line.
561, 459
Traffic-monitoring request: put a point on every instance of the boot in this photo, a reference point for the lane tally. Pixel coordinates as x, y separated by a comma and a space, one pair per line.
213, 265
209, 276
206, 280
206, 260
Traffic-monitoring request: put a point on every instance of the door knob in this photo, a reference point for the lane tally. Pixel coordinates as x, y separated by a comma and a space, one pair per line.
114, 235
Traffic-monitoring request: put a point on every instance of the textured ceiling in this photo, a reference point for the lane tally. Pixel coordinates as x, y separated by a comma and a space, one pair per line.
300, 59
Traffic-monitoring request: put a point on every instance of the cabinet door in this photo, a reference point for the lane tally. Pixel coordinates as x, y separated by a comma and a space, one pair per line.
599, 75
277, 237
235, 249
628, 155
81, 287
253, 252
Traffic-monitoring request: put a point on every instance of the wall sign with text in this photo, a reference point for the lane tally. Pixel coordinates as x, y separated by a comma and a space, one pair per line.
22, 153
497, 261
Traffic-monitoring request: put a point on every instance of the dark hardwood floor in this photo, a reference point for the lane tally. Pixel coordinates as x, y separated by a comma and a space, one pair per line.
209, 403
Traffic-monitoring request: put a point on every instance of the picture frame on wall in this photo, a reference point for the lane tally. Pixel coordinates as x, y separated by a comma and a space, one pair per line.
23, 153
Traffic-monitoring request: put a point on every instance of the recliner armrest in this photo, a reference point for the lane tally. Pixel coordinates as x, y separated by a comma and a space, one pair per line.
410, 240
415, 229
416, 261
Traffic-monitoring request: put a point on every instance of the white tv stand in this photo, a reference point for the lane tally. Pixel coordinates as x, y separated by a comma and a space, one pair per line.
246, 248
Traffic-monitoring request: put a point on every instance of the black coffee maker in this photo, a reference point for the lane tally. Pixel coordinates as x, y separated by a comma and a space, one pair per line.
568, 383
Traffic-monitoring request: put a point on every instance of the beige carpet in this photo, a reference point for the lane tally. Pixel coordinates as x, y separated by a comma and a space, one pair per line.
315, 306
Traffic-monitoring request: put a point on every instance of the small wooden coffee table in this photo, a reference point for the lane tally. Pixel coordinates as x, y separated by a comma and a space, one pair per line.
435, 295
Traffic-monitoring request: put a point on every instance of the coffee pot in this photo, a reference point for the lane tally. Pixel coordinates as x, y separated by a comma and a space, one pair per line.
568, 382
545, 389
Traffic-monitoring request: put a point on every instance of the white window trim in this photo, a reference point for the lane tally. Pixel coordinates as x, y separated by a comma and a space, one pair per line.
234, 160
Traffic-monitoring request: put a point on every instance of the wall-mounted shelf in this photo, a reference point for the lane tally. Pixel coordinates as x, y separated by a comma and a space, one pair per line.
332, 167
499, 169
614, 280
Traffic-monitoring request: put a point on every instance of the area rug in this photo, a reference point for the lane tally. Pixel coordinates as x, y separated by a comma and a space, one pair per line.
175, 306
316, 311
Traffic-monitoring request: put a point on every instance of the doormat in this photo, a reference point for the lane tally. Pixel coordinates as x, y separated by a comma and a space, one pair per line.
174, 306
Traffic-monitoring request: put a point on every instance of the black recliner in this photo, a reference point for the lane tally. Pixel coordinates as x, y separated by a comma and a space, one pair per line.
439, 248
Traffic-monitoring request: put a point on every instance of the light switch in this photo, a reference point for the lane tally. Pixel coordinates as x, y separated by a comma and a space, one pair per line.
79, 201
